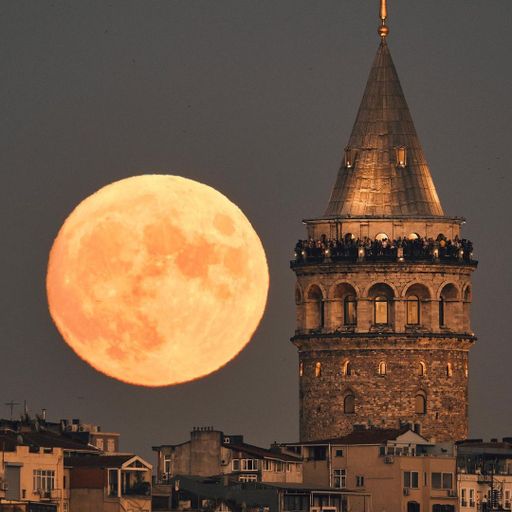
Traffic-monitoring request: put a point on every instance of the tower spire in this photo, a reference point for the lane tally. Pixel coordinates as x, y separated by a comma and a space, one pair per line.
383, 28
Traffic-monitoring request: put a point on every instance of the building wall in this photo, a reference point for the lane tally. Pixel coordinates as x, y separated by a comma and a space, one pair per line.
383, 400
44, 459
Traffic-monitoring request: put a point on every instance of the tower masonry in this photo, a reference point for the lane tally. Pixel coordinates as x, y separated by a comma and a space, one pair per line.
383, 289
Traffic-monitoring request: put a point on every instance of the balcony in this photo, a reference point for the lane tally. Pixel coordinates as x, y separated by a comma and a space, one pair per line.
420, 250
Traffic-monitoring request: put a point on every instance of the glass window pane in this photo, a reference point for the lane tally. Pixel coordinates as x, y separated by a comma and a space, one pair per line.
381, 310
350, 311
413, 311
436, 480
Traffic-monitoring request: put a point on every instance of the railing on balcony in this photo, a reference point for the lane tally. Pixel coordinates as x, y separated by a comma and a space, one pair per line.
312, 251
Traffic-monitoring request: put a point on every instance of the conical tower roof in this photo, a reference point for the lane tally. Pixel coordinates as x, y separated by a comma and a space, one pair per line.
371, 181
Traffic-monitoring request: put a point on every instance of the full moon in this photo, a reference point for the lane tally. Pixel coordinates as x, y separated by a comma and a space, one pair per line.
157, 280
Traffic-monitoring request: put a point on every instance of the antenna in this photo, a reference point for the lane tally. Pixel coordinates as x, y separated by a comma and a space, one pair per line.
11, 405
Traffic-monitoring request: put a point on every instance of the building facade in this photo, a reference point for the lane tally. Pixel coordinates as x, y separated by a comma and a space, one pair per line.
210, 452
398, 468
383, 289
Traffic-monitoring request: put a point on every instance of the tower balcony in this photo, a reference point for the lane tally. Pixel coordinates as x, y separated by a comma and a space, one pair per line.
418, 250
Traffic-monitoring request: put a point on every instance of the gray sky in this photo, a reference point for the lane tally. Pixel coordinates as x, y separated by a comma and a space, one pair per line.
257, 99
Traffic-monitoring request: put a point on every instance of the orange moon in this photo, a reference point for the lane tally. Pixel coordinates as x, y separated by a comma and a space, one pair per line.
156, 280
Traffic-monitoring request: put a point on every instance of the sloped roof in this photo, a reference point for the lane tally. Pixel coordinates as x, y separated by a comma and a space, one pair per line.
44, 439
98, 461
374, 186
256, 451
368, 436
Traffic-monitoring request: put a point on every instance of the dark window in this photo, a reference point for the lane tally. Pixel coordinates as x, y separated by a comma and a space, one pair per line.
319, 453
411, 479
339, 453
441, 312
350, 310
349, 404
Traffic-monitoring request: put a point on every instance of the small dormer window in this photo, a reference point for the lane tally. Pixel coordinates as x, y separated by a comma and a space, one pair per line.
350, 157
401, 156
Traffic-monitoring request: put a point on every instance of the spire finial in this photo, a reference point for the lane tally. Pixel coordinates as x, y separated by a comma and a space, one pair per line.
383, 28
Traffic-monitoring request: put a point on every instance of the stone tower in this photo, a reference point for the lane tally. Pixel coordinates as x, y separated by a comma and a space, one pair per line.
383, 288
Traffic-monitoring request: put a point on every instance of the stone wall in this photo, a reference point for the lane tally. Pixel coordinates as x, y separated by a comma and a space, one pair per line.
435, 368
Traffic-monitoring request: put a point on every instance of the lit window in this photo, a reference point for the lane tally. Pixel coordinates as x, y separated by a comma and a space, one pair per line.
340, 478
420, 404
318, 369
449, 370
350, 310
346, 368
413, 310
401, 156
422, 369
111, 446
99, 443
411, 480
248, 478
382, 368
381, 310
349, 404
301, 369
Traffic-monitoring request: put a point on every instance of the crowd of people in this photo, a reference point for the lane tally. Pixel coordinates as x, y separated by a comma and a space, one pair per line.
413, 248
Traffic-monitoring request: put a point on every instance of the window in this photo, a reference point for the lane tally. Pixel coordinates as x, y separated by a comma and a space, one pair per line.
249, 464
99, 443
43, 480
359, 481
472, 497
413, 310
111, 446
463, 498
411, 480
278, 466
318, 369
349, 404
422, 369
381, 307
113, 482
167, 464
382, 368
339, 453
442, 480
441, 312
401, 156
340, 478
267, 465
346, 369
301, 369
420, 405
350, 310
248, 478
235, 464
449, 370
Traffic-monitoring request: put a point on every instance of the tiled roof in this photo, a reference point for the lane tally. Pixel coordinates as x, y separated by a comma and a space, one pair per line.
263, 453
369, 436
374, 186
43, 439
97, 461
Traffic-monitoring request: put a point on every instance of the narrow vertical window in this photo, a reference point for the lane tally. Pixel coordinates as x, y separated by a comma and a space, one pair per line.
441, 312
301, 369
350, 310
422, 369
449, 370
382, 368
413, 310
401, 156
318, 369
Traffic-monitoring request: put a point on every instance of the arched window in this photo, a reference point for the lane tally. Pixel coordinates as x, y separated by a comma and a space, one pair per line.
350, 310
420, 406
381, 310
346, 368
382, 368
318, 369
449, 370
422, 369
448, 300
413, 310
301, 369
349, 404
